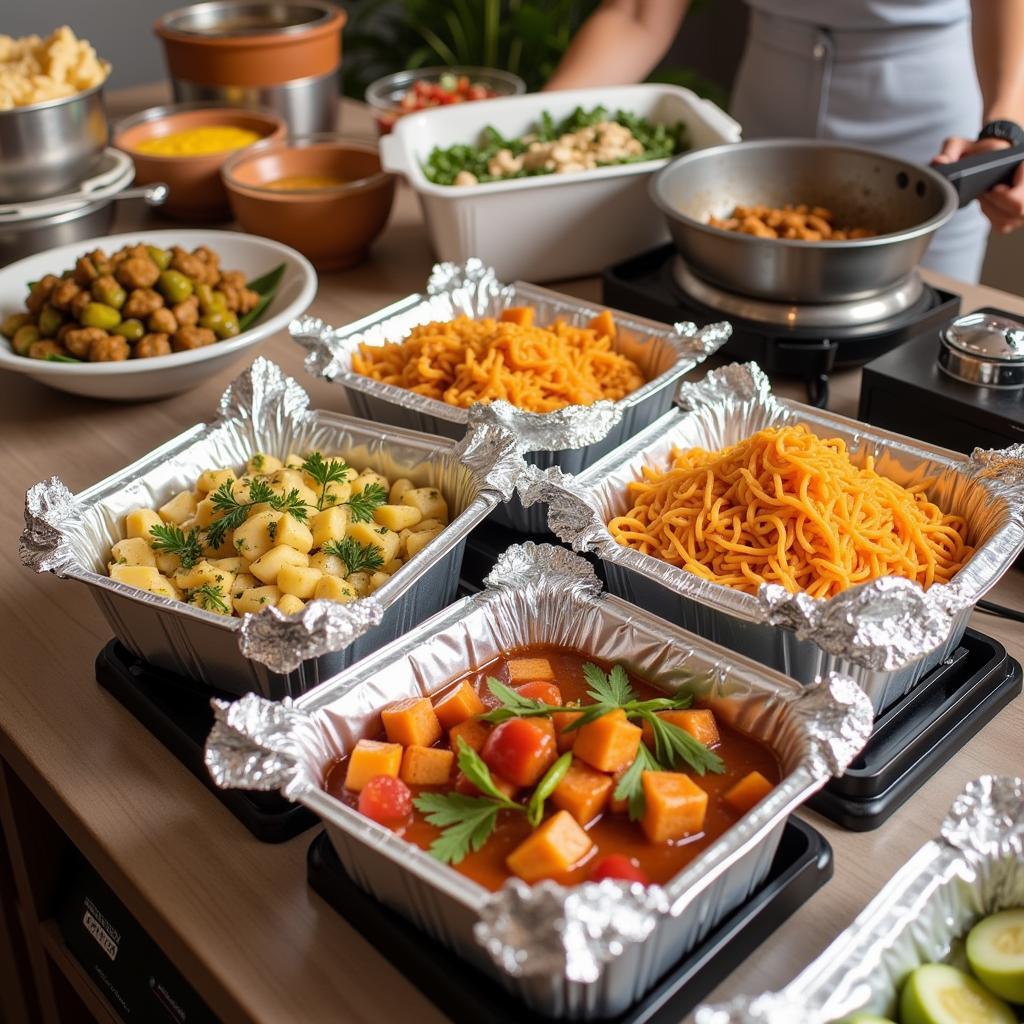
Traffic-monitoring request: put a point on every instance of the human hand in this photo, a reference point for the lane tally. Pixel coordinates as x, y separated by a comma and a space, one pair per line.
1002, 204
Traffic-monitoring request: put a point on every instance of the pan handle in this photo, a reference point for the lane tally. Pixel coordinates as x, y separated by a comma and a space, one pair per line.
976, 174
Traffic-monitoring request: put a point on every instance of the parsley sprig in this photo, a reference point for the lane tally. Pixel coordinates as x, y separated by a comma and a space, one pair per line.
324, 472
361, 506
357, 557
173, 540
234, 512
211, 598
466, 822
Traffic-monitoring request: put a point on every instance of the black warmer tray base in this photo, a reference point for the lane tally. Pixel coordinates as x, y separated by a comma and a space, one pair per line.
177, 712
802, 865
921, 732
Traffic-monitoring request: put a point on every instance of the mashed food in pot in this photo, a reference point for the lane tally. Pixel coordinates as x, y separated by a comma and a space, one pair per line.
34, 70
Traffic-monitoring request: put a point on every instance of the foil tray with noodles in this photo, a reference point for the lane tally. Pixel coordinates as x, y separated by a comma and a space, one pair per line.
571, 438
886, 634
270, 653
589, 951
974, 867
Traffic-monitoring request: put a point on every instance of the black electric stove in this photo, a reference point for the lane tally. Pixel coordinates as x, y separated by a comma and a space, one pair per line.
649, 285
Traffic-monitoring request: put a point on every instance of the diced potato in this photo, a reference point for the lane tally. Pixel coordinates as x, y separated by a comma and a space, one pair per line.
429, 500
181, 507
529, 670
675, 806
582, 792
234, 563
334, 588
255, 537
206, 512
398, 489
202, 600
298, 581
163, 587
385, 540
142, 576
139, 522
329, 565
561, 720
378, 579
293, 533
359, 582
393, 566
133, 551
430, 525
370, 758
204, 573
336, 494
167, 563
226, 549
243, 581
213, 479
750, 790
416, 542
269, 564
262, 463
426, 766
457, 705
698, 722
551, 850
472, 732
397, 517
609, 742
411, 722
293, 461
366, 478
290, 604
256, 599
329, 525
286, 479
240, 488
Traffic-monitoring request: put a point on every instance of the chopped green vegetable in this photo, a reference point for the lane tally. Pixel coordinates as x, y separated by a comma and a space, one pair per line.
265, 287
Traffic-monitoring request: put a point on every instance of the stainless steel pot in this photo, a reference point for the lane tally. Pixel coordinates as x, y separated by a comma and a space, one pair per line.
984, 348
48, 148
905, 203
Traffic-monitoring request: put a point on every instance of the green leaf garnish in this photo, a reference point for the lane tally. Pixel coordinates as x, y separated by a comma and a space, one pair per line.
514, 705
357, 557
265, 287
361, 506
547, 785
173, 540
673, 746
234, 512
211, 598
630, 786
324, 472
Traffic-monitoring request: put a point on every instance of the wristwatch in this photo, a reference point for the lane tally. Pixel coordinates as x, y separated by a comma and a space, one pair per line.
1008, 131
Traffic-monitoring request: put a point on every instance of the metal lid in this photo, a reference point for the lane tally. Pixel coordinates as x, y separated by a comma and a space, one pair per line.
985, 335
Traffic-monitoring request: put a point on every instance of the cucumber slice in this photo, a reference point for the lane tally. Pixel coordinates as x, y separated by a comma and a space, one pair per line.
940, 994
995, 951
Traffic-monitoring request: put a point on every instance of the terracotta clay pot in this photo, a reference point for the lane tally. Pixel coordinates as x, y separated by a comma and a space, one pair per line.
332, 227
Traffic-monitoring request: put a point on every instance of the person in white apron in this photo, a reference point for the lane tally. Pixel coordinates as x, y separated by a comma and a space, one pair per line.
894, 75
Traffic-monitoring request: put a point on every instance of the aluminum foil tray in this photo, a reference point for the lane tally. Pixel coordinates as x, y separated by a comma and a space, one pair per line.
886, 634
270, 653
974, 867
585, 952
571, 438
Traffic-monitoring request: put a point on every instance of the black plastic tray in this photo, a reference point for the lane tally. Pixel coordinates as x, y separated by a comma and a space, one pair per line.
802, 865
921, 732
177, 711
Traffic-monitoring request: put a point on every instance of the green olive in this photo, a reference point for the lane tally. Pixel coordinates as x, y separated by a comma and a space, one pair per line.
109, 292
161, 257
13, 322
223, 323
174, 286
130, 330
49, 321
24, 338
97, 314
220, 302
204, 293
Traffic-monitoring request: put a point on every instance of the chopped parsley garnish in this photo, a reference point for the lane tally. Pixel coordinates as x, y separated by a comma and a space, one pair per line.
173, 540
211, 598
361, 506
357, 557
234, 512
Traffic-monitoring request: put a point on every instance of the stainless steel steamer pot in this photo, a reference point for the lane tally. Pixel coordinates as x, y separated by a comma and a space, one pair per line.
905, 203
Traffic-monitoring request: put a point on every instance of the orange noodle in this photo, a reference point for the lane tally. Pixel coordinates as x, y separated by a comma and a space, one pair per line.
538, 369
787, 507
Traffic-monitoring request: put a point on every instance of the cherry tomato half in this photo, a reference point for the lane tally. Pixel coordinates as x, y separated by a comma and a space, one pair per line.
619, 867
386, 800
547, 693
519, 751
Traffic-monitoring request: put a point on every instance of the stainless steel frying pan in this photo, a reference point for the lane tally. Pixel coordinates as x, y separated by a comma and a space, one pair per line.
904, 203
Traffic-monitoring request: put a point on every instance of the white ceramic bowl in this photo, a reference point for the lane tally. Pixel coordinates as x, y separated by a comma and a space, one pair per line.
136, 379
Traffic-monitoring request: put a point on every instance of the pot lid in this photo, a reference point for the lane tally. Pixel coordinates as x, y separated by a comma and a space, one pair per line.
988, 335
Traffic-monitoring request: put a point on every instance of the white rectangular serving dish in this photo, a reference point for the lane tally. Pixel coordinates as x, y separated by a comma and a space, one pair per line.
552, 226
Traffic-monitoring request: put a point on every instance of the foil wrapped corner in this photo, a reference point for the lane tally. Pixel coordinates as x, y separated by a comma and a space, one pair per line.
574, 426
492, 455
744, 383
43, 545
472, 286
527, 565
265, 745
265, 397
550, 931
987, 818
838, 718
572, 518
1003, 471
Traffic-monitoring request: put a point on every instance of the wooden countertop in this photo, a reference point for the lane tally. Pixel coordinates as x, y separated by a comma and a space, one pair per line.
234, 914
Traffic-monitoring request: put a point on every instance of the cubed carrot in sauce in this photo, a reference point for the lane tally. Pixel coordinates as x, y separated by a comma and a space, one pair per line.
561, 721
583, 792
520, 315
547, 693
698, 722
618, 806
603, 324
551, 850
411, 722
457, 705
370, 758
426, 766
750, 790
609, 742
675, 806
472, 732
467, 788
527, 670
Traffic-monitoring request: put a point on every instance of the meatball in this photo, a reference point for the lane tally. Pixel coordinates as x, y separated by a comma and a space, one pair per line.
79, 340
111, 348
40, 293
76, 307
162, 321
44, 348
187, 312
189, 265
240, 300
233, 279
137, 272
141, 302
85, 271
186, 338
154, 344
63, 294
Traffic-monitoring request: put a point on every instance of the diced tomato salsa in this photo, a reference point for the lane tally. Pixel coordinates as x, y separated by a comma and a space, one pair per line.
423, 95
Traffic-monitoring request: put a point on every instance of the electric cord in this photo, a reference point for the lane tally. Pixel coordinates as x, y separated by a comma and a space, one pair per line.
1001, 610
